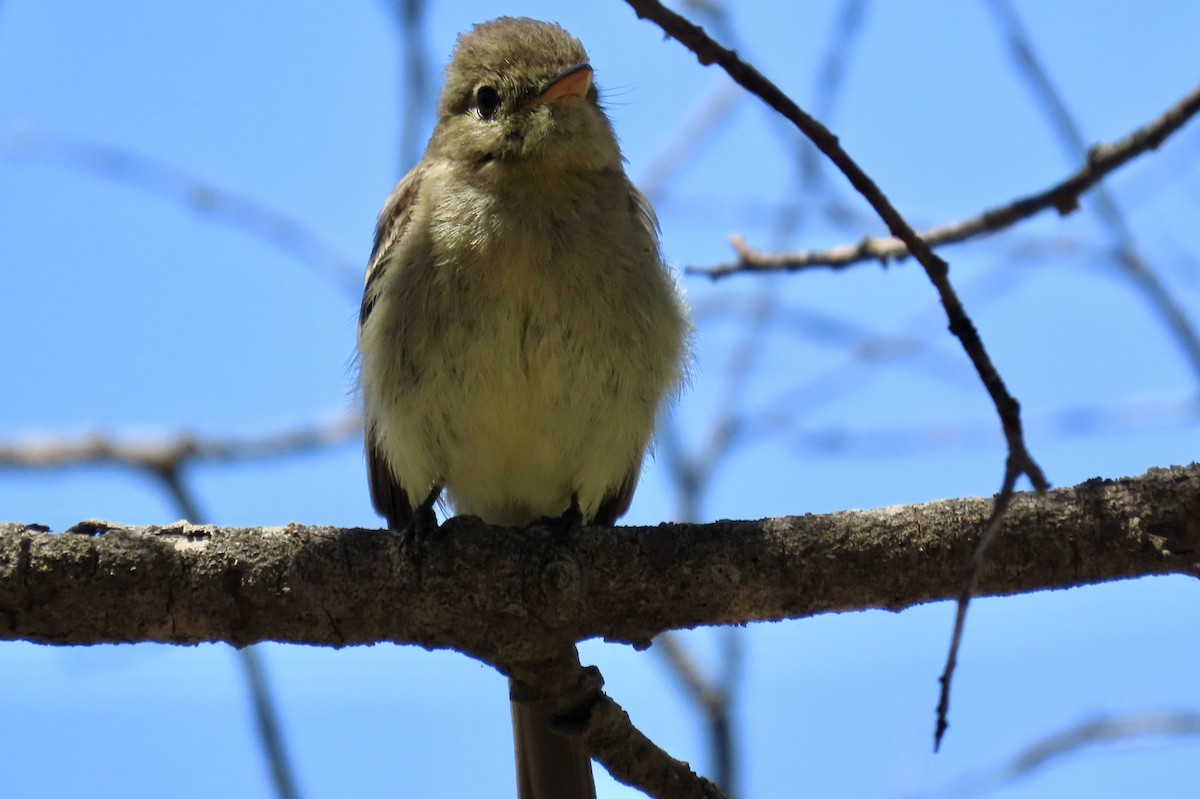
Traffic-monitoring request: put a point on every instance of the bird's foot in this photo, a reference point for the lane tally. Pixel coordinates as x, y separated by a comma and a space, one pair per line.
424, 520
570, 522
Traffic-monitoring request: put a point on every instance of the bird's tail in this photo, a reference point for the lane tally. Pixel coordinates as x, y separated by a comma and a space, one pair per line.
547, 766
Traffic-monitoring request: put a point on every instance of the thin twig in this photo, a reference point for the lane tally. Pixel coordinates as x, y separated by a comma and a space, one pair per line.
1012, 471
1063, 197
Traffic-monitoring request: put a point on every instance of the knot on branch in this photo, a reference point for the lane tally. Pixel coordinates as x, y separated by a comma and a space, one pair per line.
562, 587
568, 698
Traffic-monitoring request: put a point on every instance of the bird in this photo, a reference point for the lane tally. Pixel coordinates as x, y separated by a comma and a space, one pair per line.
519, 332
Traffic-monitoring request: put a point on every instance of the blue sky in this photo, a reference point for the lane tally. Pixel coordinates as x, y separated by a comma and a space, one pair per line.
130, 312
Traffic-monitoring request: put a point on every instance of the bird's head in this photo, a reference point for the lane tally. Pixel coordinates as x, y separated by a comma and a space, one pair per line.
519, 95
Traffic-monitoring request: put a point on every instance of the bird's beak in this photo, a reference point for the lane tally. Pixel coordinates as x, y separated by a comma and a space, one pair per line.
575, 83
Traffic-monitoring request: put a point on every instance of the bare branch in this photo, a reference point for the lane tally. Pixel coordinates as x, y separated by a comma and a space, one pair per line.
517, 602
1019, 460
1063, 197
570, 695
168, 454
505, 598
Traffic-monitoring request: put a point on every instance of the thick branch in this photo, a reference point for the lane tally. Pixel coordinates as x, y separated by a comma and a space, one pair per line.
515, 597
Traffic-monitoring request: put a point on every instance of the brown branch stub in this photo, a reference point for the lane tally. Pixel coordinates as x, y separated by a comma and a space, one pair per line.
570, 694
480, 590
636, 760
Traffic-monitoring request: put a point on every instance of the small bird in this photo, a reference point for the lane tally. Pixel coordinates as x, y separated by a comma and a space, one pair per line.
519, 331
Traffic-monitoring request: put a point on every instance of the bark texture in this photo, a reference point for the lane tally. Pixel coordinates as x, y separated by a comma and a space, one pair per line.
516, 596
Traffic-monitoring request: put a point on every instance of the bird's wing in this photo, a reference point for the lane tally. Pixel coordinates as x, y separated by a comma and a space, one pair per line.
389, 230
387, 495
615, 503
643, 210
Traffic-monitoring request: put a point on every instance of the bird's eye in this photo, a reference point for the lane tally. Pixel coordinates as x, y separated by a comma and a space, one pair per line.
487, 101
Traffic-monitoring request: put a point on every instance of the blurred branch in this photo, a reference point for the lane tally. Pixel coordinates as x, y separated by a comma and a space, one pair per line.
236, 210
418, 90
1083, 420
166, 458
831, 78
169, 454
680, 150
1063, 197
906, 346
715, 15
1076, 739
691, 475
715, 703
1130, 260
266, 717
903, 347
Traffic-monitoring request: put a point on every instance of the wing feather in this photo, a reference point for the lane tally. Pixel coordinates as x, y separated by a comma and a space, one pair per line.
387, 495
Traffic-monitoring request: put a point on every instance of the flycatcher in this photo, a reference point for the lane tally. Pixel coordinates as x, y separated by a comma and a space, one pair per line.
519, 332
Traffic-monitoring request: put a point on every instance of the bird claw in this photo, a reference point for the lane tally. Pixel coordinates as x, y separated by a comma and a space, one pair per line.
424, 520
569, 522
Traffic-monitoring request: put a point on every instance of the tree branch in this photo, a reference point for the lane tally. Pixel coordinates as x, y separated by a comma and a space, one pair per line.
570, 695
519, 600
510, 598
1063, 197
